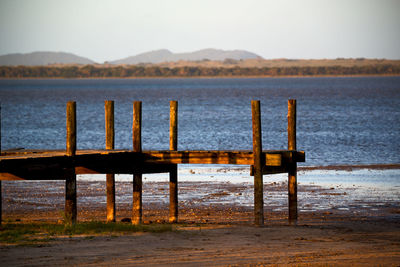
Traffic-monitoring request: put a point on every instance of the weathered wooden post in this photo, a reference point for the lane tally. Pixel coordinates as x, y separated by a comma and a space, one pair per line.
292, 176
258, 163
137, 178
173, 174
70, 181
110, 177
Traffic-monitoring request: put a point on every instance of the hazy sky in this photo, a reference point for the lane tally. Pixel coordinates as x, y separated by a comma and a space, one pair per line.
109, 30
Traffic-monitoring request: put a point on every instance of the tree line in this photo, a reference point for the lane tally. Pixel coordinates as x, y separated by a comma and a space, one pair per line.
134, 71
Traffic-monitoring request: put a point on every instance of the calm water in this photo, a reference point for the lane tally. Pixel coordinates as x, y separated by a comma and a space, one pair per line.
340, 120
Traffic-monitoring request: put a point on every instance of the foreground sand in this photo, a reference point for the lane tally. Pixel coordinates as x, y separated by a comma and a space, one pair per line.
321, 242
212, 232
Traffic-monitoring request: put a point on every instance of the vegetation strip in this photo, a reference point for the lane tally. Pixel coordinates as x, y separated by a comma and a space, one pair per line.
31, 233
135, 71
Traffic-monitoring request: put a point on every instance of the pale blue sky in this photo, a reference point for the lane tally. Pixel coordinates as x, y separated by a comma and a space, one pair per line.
109, 30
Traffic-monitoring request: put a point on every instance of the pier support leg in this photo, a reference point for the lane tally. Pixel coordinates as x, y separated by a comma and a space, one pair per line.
137, 210
70, 180
258, 164
173, 174
70, 198
292, 176
292, 191
110, 178
173, 194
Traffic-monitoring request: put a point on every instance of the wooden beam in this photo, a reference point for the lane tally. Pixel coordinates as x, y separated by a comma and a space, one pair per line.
6, 176
137, 206
70, 180
173, 175
270, 169
258, 164
271, 157
212, 157
300, 156
135, 169
127, 162
110, 142
52, 167
23, 174
292, 166
35, 168
287, 158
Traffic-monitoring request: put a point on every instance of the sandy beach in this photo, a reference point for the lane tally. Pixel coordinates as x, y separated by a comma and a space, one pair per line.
339, 225
364, 242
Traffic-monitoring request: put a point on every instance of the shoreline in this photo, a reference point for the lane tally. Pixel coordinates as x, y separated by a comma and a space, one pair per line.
351, 167
203, 77
212, 189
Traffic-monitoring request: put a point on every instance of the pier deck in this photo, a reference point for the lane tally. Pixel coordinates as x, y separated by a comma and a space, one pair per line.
54, 165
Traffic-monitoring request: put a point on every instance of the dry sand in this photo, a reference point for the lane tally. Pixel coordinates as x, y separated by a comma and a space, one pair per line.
212, 234
316, 241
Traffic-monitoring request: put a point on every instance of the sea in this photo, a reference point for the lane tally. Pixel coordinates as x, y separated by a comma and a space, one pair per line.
340, 121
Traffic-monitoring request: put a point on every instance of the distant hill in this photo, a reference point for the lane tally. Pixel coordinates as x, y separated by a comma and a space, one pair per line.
42, 58
165, 55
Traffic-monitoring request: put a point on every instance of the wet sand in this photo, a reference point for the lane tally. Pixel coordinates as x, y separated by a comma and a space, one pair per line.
216, 227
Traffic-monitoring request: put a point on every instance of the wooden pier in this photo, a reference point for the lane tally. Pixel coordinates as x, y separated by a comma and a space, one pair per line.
66, 164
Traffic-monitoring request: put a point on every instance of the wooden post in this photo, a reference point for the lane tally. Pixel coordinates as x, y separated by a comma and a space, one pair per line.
110, 177
137, 178
173, 174
173, 126
70, 181
292, 176
258, 163
71, 128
